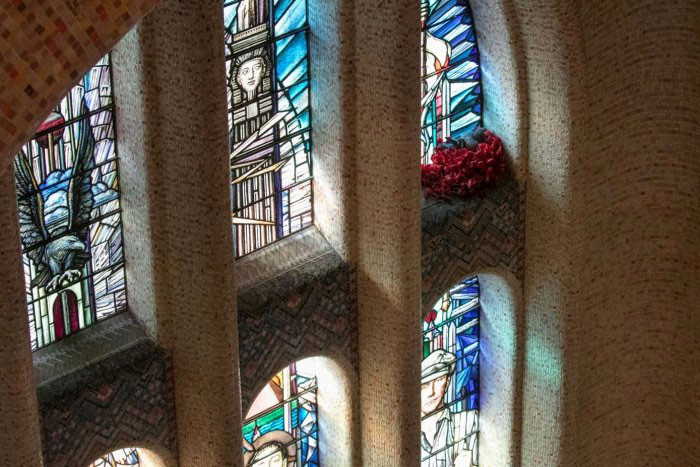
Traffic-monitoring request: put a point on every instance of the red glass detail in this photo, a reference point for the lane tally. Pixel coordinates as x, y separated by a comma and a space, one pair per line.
58, 328
73, 318
54, 120
439, 66
73, 311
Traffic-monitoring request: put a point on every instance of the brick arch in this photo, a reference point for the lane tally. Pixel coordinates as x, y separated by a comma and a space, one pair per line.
45, 47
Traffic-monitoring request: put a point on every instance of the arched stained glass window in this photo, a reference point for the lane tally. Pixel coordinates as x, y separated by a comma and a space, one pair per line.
269, 119
121, 457
450, 379
70, 222
281, 427
451, 79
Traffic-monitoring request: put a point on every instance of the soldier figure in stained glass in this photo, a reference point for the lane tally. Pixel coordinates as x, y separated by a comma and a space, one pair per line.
252, 101
281, 427
444, 434
450, 379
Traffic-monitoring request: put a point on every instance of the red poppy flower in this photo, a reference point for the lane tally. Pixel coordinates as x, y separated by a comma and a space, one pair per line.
460, 172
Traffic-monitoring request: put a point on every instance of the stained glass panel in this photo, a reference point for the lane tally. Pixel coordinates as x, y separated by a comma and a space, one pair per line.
269, 120
450, 379
281, 427
67, 186
121, 457
451, 78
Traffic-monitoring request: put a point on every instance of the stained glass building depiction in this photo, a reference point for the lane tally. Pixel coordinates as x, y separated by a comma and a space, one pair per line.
281, 427
269, 120
70, 223
119, 458
450, 73
450, 379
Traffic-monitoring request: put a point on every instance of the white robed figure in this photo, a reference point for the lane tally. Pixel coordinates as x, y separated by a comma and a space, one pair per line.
448, 439
435, 62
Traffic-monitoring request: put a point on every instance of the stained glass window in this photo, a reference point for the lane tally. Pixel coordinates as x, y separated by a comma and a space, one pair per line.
281, 427
450, 379
269, 119
121, 457
70, 223
451, 79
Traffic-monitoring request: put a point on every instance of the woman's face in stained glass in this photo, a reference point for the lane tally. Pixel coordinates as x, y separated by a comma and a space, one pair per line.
250, 74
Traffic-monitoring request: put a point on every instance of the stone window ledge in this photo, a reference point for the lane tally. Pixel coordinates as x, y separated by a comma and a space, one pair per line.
273, 271
92, 345
283, 267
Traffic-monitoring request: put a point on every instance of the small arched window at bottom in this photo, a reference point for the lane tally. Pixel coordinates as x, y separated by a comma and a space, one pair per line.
450, 379
281, 427
118, 458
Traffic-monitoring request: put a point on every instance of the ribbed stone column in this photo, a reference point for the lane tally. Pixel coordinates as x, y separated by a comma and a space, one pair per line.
612, 233
19, 420
552, 230
171, 109
388, 229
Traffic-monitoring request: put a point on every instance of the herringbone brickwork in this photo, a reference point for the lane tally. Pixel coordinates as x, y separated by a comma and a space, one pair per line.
463, 237
126, 400
316, 318
308, 311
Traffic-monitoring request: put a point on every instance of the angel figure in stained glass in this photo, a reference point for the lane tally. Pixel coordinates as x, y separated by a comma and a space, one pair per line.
248, 71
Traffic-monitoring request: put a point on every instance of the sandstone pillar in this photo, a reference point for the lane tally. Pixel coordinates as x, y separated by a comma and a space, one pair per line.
388, 228
19, 423
171, 102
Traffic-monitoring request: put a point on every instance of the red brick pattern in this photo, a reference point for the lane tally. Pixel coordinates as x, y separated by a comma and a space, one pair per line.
47, 46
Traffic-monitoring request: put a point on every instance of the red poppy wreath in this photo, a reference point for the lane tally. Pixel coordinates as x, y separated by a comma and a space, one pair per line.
464, 167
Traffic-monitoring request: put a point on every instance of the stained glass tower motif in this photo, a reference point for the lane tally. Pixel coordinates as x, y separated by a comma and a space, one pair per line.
70, 222
269, 119
451, 79
281, 427
450, 379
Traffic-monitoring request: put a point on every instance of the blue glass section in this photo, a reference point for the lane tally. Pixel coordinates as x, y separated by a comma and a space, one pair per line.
230, 15
269, 119
450, 377
291, 56
289, 15
293, 81
450, 63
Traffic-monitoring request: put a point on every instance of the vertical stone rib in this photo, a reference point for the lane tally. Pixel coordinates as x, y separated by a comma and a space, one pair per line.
19, 420
387, 84
173, 120
552, 235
